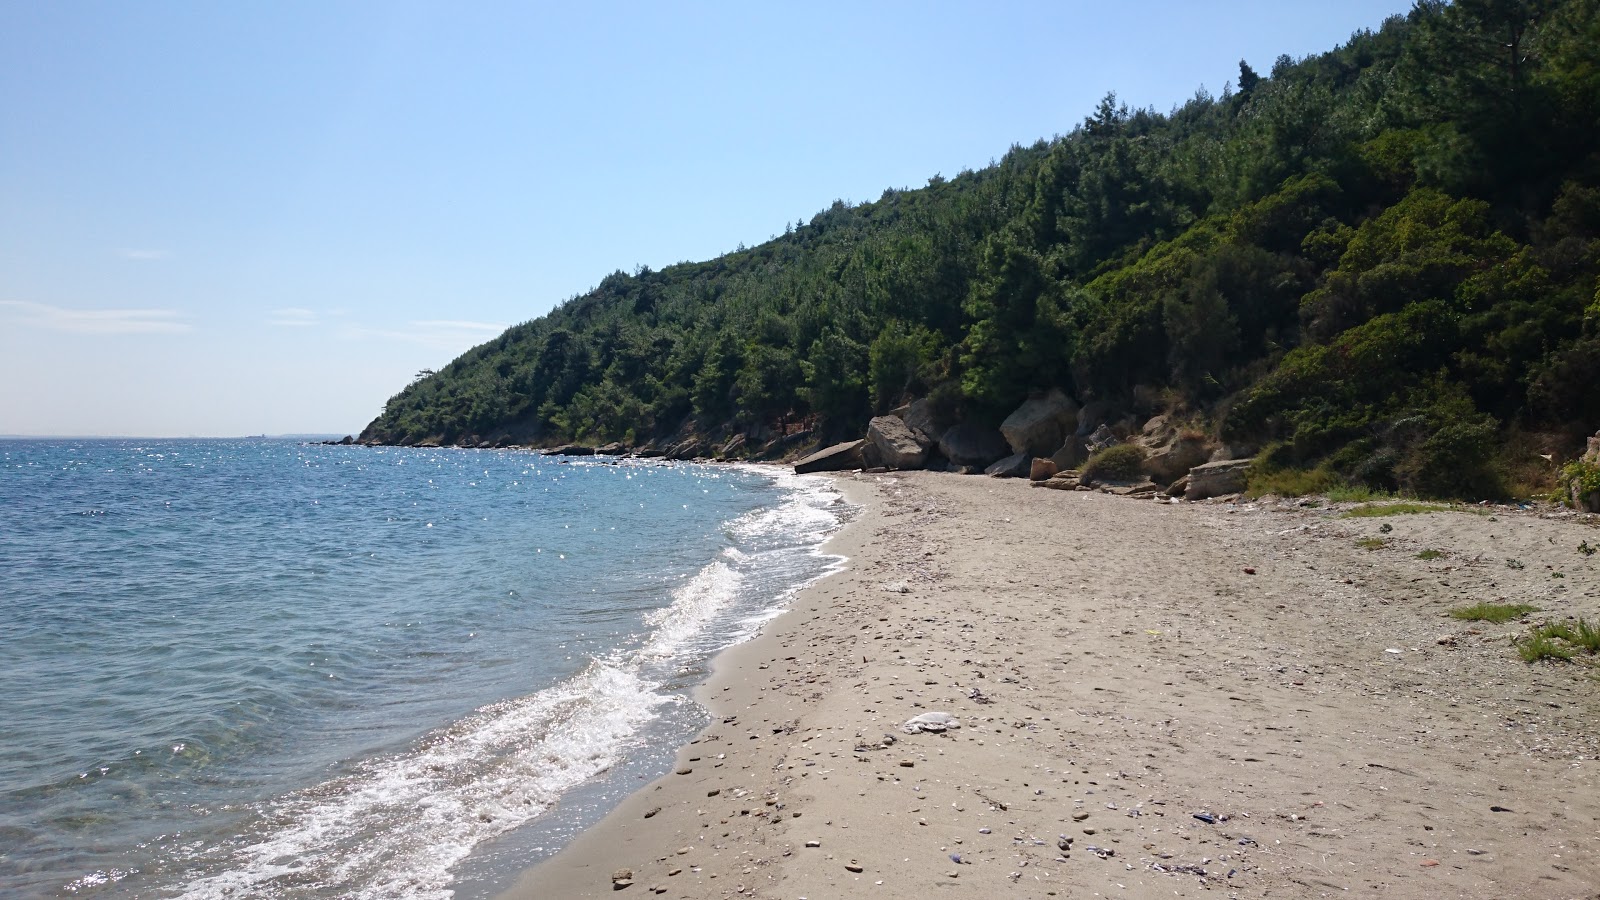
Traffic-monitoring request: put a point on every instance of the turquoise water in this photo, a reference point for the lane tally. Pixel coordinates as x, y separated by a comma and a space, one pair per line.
266, 669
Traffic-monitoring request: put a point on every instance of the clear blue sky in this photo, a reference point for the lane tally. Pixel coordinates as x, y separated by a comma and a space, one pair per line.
226, 218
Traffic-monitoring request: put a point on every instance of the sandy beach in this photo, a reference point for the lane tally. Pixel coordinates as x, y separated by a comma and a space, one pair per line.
1155, 700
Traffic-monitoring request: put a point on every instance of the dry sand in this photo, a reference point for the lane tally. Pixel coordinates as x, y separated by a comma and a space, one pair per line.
1120, 669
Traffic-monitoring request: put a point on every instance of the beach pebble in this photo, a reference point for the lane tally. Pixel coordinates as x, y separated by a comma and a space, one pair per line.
652, 812
813, 843
621, 878
852, 866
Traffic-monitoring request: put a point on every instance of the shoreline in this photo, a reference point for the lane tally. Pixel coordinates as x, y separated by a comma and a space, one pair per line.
585, 866
1188, 698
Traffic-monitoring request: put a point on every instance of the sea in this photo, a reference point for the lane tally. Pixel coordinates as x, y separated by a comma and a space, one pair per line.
267, 668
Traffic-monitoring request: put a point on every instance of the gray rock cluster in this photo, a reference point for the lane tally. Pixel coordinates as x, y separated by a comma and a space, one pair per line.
1046, 439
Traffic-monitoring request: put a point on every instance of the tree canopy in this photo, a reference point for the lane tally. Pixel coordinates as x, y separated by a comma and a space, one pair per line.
1383, 257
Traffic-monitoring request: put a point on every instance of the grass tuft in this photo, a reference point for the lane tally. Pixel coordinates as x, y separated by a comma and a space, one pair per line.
1492, 612
1430, 554
1538, 646
1356, 493
1372, 543
1290, 482
1588, 637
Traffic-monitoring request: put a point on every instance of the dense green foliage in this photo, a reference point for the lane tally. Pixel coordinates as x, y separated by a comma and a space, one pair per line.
1383, 258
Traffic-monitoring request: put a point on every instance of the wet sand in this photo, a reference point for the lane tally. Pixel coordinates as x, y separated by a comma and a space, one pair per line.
1190, 699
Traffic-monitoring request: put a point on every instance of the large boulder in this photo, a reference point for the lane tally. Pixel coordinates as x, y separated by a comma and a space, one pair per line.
1040, 469
897, 445
1092, 416
1017, 465
1170, 451
1072, 454
919, 417
972, 445
1217, 478
832, 459
1039, 425
689, 448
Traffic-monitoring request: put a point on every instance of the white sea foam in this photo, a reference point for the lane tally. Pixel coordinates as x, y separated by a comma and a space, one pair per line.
396, 826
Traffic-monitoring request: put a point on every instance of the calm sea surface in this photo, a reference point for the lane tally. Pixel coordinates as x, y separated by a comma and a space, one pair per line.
263, 669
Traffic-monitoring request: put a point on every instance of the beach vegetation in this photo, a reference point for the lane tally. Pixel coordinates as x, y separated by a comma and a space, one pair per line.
1430, 555
1289, 482
1563, 640
1400, 508
1498, 613
1372, 543
1539, 646
1120, 462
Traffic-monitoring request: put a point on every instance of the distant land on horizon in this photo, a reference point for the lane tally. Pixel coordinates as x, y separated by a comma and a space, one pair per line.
317, 436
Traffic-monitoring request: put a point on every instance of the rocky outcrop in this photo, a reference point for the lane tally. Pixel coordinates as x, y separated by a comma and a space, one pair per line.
1017, 465
1100, 439
972, 445
919, 417
1092, 416
1217, 478
837, 458
691, 448
896, 444
1039, 425
1170, 451
1040, 469
570, 450
1072, 453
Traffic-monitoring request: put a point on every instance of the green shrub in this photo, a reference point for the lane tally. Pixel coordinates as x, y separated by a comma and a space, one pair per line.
1290, 482
1579, 476
1122, 462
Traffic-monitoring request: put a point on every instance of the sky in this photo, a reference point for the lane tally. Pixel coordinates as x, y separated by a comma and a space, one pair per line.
221, 219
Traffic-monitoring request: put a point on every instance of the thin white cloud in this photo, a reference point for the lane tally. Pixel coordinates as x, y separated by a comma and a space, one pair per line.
292, 317
450, 334
95, 321
142, 255
457, 325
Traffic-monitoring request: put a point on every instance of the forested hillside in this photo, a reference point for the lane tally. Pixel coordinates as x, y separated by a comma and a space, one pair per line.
1380, 262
